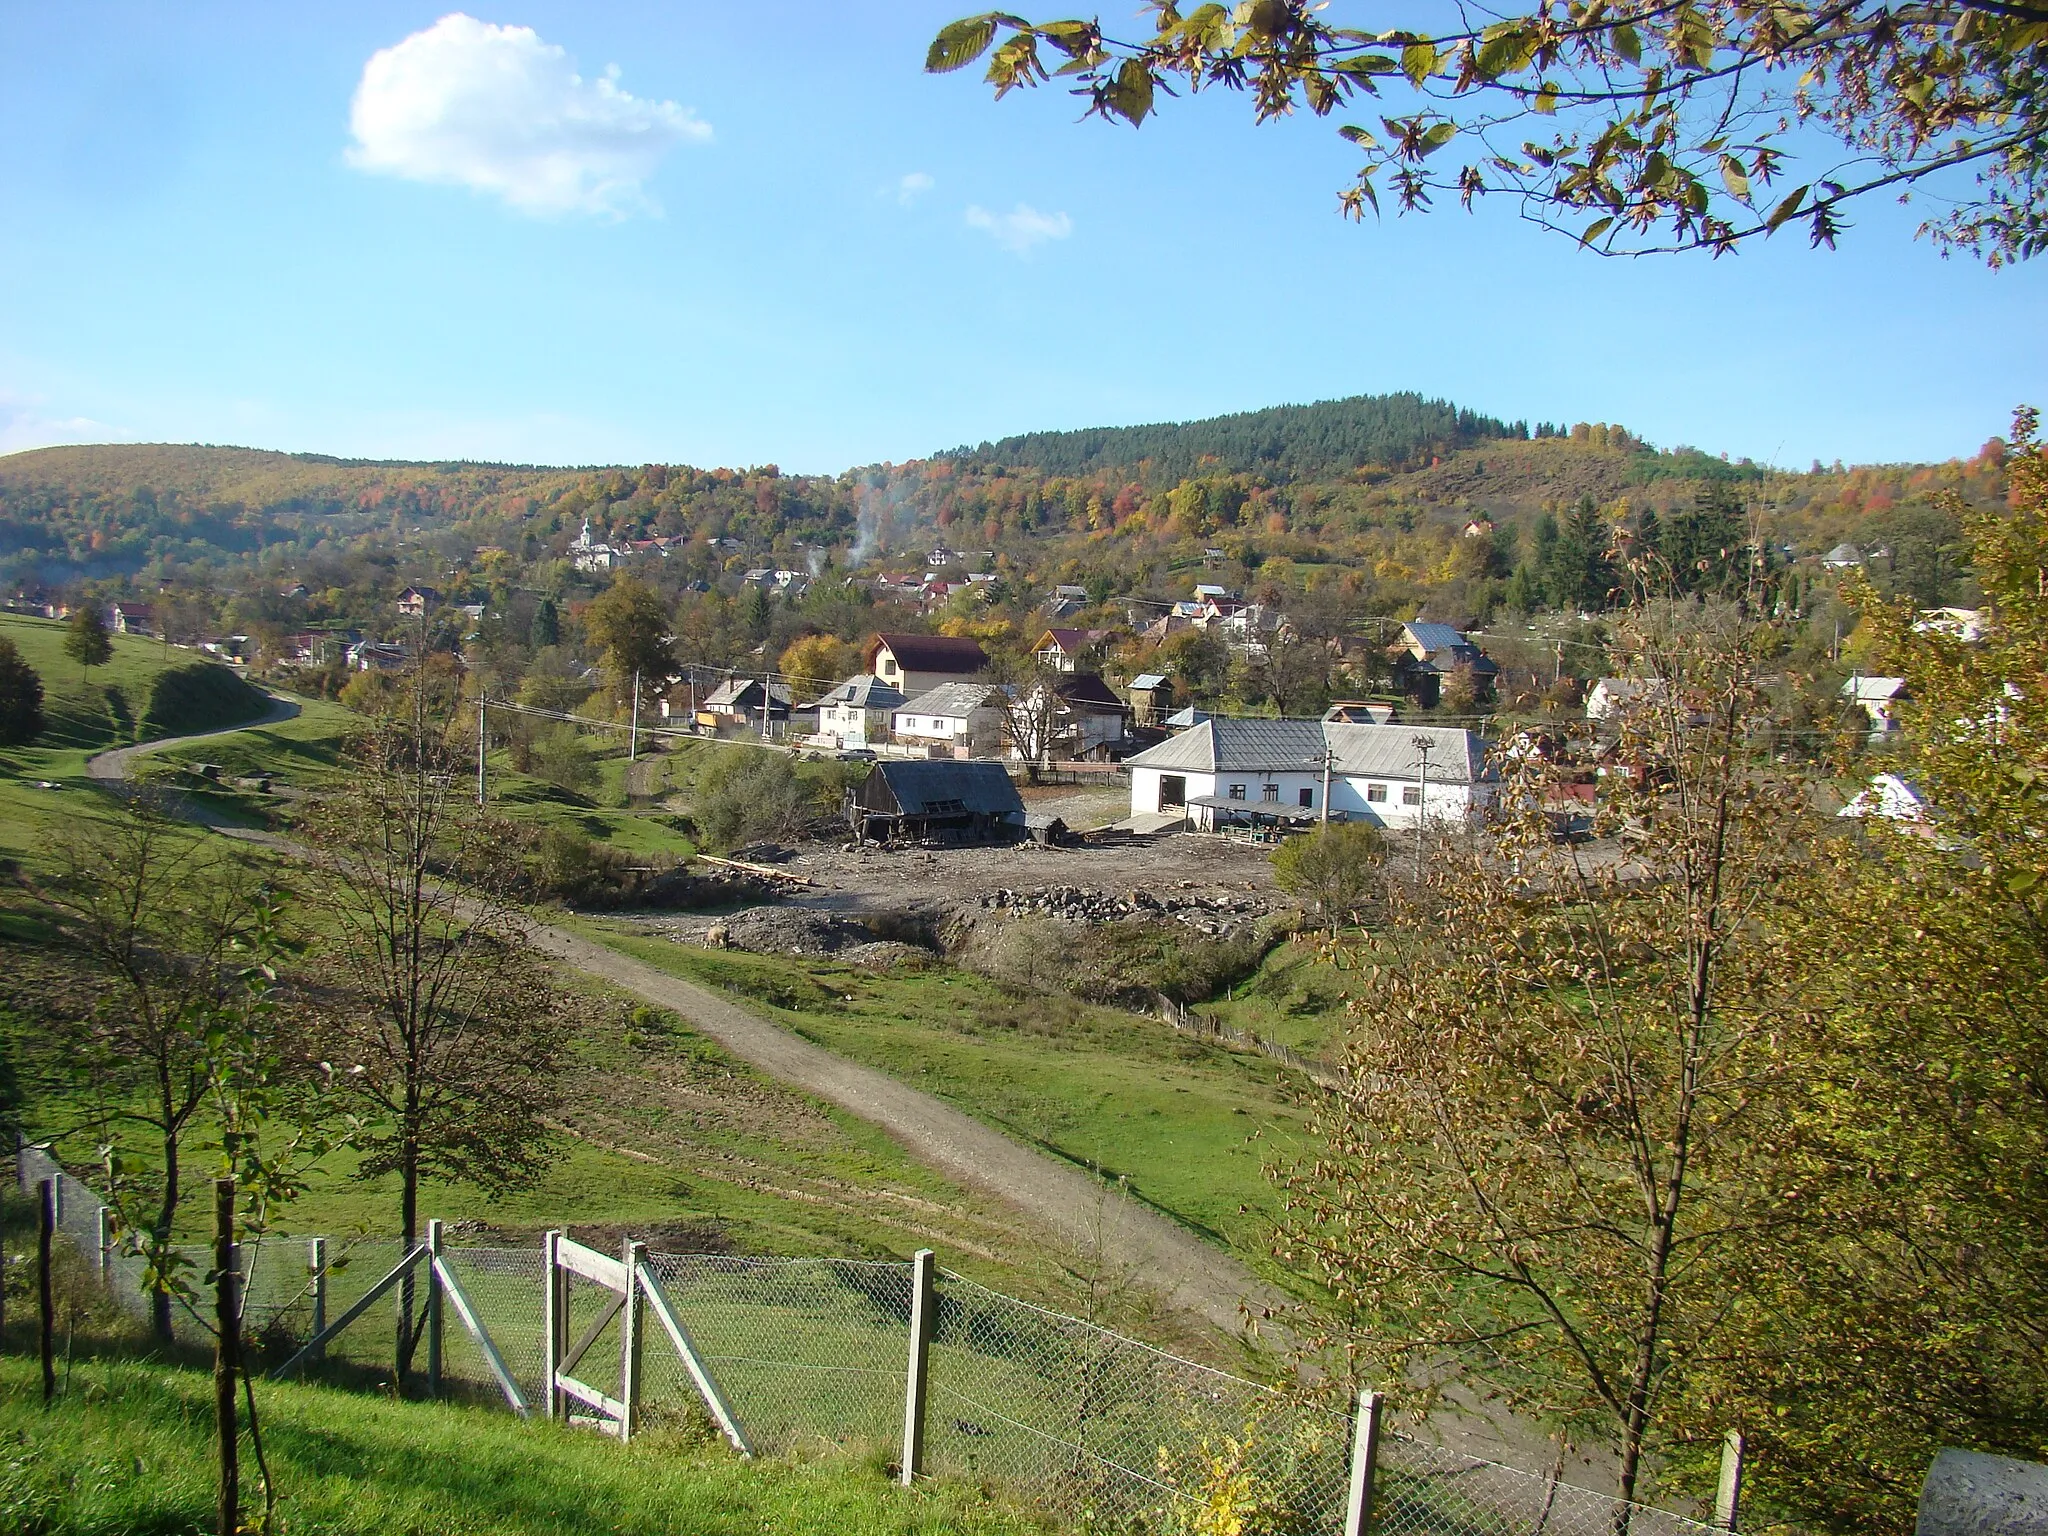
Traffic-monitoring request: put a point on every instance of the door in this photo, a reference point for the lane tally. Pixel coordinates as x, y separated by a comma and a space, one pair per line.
1173, 791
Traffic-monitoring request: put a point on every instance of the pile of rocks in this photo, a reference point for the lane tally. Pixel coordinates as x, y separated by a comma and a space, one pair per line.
1210, 914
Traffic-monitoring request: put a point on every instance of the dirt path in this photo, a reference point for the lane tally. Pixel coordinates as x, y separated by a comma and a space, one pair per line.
1193, 1276
112, 766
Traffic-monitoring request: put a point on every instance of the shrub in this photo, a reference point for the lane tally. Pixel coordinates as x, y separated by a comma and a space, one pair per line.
199, 696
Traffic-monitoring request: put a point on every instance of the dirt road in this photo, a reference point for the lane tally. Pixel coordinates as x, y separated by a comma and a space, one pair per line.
112, 766
1194, 1277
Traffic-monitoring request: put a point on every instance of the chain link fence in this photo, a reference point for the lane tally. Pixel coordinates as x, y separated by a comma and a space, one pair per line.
1101, 1430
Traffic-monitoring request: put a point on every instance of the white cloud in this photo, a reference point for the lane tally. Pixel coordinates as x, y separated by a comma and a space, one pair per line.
23, 425
912, 187
493, 108
1021, 228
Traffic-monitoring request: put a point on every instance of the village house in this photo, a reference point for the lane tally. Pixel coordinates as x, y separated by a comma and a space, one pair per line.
1223, 772
377, 656
919, 663
857, 712
1879, 698
1066, 649
414, 602
740, 702
1087, 720
952, 720
1611, 695
1426, 656
131, 618
1964, 624
1151, 698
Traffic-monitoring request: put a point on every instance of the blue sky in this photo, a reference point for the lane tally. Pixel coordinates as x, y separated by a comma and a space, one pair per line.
771, 238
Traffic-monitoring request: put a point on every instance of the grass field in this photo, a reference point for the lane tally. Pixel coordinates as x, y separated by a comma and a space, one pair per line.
1296, 998
127, 1448
1187, 1125
83, 715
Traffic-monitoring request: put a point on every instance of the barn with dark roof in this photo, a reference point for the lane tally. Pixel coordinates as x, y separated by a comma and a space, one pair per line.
935, 800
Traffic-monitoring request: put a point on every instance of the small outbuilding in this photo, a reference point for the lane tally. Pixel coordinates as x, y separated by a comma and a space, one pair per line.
935, 800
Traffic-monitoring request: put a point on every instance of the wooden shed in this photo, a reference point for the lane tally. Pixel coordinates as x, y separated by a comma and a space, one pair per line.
936, 800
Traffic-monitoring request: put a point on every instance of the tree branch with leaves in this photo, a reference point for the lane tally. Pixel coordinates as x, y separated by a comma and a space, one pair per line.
1637, 127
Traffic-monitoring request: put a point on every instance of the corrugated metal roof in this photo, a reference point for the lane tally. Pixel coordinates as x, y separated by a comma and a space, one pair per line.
1297, 746
951, 701
867, 692
1146, 681
1435, 637
937, 786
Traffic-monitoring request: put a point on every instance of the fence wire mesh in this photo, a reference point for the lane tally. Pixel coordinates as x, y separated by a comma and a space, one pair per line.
1101, 1430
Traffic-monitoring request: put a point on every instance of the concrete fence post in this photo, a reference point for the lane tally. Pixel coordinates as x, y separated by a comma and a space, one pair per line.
316, 1261
554, 1322
630, 1336
1365, 1457
922, 1315
104, 1230
1728, 1495
433, 1309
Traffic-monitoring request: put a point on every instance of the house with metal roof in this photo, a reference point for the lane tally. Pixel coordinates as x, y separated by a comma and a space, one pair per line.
918, 663
936, 800
952, 720
1429, 653
1224, 771
1151, 697
856, 712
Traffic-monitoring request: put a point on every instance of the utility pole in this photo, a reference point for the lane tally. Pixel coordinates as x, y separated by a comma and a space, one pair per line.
633, 739
1329, 757
1423, 746
481, 739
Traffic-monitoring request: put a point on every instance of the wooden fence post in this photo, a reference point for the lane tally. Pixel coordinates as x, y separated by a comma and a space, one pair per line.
433, 1309
1365, 1457
1728, 1496
554, 1322
921, 1318
227, 1318
316, 1260
630, 1333
105, 1226
46, 1297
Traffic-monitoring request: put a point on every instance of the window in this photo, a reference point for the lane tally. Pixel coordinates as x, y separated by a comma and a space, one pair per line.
1375, 792
1237, 791
1411, 794
1308, 797
1270, 793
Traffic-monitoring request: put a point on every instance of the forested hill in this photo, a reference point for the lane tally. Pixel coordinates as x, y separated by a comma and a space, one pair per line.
1282, 442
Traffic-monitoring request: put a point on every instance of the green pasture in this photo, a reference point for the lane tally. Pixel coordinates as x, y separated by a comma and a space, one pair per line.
1186, 1126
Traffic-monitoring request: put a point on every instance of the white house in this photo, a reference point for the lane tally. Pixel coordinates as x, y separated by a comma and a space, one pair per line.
857, 712
1879, 698
1843, 557
1612, 695
952, 720
1964, 624
918, 663
1889, 798
1226, 770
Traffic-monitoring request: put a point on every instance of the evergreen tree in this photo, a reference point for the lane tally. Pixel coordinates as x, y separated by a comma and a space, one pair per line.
21, 698
547, 625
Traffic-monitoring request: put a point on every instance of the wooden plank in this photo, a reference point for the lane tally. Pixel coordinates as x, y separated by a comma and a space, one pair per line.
923, 1313
707, 1386
552, 1320
582, 1345
599, 1268
765, 870
629, 1344
459, 1299
585, 1393
363, 1304
1365, 1457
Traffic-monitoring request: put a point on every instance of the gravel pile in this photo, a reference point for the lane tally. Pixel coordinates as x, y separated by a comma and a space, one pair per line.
788, 931
1078, 904
886, 955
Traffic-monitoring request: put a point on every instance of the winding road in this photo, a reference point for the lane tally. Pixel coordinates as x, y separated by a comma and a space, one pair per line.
1191, 1275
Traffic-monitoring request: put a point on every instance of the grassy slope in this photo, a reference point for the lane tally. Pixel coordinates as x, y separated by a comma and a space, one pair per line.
127, 1449
1295, 998
84, 715
1117, 1092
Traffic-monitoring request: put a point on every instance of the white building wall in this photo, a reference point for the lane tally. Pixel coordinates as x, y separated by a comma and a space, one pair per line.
1351, 796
